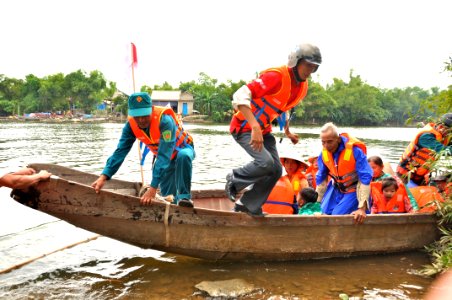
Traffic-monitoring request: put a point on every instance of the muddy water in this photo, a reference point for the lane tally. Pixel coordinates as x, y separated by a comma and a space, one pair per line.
108, 269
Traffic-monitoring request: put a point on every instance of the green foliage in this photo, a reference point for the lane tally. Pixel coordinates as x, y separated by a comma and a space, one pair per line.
54, 93
354, 103
211, 98
441, 250
164, 87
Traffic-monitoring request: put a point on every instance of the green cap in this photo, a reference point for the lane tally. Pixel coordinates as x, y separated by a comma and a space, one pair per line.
140, 104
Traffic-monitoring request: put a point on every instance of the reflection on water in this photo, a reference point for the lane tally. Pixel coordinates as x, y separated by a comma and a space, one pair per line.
108, 269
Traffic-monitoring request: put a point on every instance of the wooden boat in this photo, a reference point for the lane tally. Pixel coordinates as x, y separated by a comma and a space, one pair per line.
211, 230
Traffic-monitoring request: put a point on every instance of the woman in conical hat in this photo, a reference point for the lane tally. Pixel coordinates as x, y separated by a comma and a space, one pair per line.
295, 169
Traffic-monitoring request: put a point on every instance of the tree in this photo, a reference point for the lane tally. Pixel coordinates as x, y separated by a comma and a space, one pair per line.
317, 107
164, 87
10, 95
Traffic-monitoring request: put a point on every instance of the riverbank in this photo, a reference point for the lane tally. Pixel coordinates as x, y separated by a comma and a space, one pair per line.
192, 119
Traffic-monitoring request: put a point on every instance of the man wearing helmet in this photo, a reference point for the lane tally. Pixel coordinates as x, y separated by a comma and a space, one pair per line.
415, 163
257, 104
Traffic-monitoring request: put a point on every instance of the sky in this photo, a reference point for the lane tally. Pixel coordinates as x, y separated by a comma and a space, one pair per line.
388, 44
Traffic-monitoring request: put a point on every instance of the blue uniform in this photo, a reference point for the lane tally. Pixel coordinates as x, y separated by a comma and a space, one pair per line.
173, 176
335, 202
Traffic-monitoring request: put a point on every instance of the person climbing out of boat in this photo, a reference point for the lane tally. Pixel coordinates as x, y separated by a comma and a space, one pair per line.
418, 158
308, 202
158, 128
283, 197
312, 171
387, 197
344, 159
23, 178
257, 104
378, 167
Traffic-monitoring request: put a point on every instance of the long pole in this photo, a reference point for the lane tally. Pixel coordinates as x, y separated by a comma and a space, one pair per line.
20, 265
133, 52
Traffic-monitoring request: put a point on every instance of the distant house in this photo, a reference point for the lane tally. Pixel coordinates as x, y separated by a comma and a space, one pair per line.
180, 102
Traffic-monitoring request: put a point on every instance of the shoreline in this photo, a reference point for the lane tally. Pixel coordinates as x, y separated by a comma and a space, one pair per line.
190, 120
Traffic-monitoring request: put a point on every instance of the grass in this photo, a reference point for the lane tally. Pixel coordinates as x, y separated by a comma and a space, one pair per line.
441, 251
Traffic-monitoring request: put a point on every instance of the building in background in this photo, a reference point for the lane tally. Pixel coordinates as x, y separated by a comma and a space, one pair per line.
180, 102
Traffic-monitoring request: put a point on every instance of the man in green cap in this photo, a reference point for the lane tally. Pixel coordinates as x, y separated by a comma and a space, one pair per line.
159, 129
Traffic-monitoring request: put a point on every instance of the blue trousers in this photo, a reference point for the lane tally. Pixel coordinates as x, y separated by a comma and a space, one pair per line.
177, 178
335, 202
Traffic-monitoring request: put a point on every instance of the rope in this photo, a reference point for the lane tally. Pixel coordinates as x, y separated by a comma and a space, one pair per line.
165, 222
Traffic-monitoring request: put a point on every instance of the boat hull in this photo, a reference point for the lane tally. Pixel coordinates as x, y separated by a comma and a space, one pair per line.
212, 231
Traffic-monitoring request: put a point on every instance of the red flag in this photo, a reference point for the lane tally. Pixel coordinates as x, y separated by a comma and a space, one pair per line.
134, 55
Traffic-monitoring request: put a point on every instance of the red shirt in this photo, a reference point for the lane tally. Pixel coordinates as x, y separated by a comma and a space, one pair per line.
268, 83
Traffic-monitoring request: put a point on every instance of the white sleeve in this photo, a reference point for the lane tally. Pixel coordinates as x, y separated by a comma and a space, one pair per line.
242, 97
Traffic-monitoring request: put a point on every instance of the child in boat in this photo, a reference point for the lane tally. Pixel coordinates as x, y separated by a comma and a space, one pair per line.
308, 202
388, 198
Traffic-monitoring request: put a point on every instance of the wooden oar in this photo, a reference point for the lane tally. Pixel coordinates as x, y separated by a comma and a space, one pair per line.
20, 265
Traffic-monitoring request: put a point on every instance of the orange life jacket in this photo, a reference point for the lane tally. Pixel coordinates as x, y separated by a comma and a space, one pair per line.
418, 159
344, 173
296, 180
281, 198
152, 141
425, 197
395, 205
269, 107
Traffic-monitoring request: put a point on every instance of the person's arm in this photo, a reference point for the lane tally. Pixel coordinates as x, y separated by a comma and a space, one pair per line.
408, 207
117, 158
321, 178
365, 173
293, 137
267, 84
374, 208
429, 141
167, 142
20, 181
125, 143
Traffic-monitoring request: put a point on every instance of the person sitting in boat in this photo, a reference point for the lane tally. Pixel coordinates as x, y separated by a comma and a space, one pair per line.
283, 197
311, 171
344, 159
257, 104
295, 169
308, 202
23, 178
415, 163
158, 128
444, 183
427, 197
378, 167
387, 197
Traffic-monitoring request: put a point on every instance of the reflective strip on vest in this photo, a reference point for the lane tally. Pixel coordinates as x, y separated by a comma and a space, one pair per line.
344, 174
269, 107
183, 138
395, 205
418, 159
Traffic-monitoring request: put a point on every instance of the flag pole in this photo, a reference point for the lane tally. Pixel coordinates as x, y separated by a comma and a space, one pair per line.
134, 62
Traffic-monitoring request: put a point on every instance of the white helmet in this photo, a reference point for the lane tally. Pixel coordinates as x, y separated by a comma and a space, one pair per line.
307, 52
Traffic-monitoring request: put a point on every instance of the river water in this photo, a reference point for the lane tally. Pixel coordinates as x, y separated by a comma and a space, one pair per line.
108, 269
